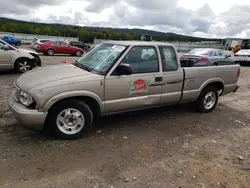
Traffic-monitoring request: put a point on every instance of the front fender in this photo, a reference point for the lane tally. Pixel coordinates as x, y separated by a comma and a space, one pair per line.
70, 94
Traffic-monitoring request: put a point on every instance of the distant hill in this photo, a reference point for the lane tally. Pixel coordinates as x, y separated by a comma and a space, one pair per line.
87, 34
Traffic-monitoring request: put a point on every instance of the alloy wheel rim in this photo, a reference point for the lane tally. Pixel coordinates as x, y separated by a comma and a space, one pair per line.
70, 121
209, 100
24, 66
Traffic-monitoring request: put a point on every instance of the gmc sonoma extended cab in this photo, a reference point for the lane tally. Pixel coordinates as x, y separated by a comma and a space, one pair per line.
115, 77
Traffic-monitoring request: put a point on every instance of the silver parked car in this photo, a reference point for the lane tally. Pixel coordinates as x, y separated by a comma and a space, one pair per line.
21, 60
206, 57
115, 77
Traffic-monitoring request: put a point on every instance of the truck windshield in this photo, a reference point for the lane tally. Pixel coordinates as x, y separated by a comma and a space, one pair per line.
101, 58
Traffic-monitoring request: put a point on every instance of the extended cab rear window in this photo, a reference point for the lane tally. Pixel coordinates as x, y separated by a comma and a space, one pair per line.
169, 59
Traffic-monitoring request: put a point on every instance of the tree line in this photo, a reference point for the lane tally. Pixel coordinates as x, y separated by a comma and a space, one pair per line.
87, 34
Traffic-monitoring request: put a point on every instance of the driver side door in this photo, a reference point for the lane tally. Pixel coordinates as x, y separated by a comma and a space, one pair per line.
142, 88
5, 58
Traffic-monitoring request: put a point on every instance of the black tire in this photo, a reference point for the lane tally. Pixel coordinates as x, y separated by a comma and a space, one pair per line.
215, 64
200, 102
50, 52
53, 127
23, 65
78, 53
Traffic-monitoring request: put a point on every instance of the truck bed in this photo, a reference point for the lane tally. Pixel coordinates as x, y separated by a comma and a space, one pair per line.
196, 78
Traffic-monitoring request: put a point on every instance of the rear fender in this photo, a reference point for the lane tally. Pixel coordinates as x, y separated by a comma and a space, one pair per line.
211, 81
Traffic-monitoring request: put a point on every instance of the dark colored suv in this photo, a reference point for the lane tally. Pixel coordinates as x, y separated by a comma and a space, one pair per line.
79, 44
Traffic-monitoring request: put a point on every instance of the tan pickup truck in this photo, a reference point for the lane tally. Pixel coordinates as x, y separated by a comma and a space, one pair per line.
115, 77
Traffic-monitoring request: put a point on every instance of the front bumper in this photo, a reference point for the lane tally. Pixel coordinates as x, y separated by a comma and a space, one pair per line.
242, 62
29, 118
37, 61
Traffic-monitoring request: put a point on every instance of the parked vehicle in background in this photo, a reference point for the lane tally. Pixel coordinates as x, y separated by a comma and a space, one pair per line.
206, 57
11, 40
79, 44
58, 47
35, 43
21, 60
243, 57
230, 55
93, 46
115, 77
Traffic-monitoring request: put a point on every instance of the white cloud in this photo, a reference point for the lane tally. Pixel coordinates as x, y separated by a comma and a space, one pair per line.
211, 18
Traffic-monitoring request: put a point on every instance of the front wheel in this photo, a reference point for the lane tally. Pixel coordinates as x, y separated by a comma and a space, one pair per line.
23, 65
207, 100
78, 53
70, 120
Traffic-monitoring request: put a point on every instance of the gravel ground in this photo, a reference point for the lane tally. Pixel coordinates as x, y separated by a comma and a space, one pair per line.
165, 147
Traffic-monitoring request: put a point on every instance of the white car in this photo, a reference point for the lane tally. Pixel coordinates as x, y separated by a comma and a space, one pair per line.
243, 57
21, 60
38, 41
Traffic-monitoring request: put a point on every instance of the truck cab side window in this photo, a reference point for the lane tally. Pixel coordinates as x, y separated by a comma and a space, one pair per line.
142, 59
169, 59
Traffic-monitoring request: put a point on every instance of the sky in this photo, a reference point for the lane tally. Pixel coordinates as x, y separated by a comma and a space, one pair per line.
202, 18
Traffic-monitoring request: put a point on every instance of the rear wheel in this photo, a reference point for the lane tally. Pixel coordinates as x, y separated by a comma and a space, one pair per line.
69, 120
50, 52
207, 100
23, 65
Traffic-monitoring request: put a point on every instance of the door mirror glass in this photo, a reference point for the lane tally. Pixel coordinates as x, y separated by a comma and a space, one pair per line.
6, 47
123, 69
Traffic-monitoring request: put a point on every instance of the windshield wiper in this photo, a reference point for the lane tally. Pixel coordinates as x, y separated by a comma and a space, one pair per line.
82, 66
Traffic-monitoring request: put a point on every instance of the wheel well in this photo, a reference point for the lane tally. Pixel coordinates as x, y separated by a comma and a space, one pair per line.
218, 85
50, 49
92, 103
77, 51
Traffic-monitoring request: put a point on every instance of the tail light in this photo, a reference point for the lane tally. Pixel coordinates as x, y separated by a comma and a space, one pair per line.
248, 56
238, 73
203, 60
236, 55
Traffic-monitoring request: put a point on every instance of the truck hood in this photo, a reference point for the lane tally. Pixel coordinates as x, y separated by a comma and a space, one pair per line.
44, 75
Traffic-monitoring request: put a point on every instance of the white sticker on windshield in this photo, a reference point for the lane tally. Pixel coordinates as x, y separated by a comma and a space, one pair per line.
118, 47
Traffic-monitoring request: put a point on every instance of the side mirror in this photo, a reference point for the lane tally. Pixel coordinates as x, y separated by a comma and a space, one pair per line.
123, 69
6, 47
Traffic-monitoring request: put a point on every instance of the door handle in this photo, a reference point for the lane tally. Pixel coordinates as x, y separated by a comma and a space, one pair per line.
158, 79
174, 81
158, 84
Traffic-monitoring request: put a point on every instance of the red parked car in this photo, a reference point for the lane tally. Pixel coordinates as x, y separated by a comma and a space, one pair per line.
57, 47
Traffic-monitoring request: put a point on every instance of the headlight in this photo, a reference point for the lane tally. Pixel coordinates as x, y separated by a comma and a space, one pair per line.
25, 98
